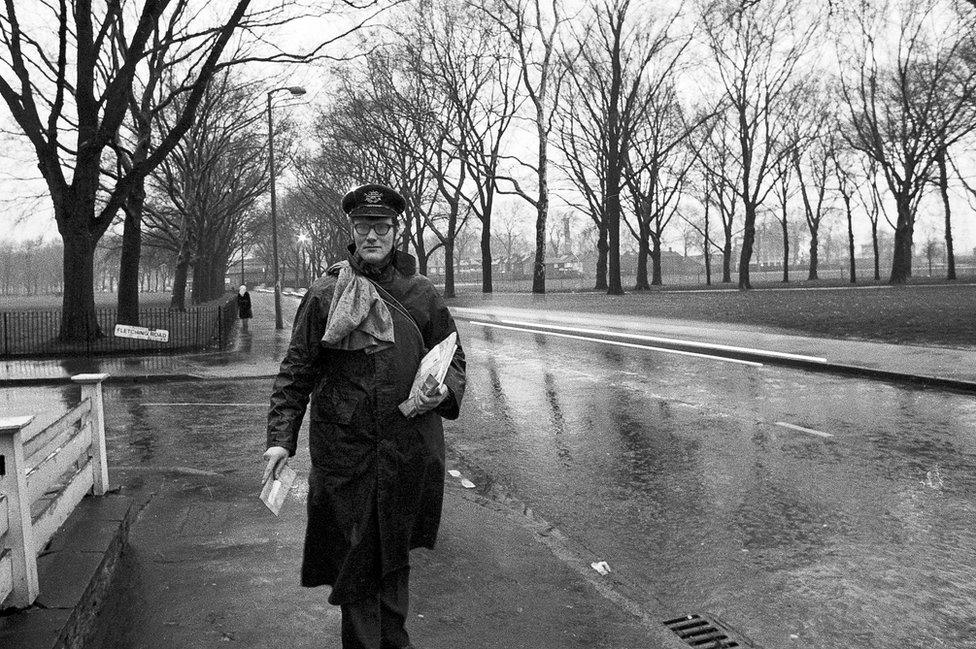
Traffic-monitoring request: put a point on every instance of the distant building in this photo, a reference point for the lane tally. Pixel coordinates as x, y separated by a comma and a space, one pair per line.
513, 267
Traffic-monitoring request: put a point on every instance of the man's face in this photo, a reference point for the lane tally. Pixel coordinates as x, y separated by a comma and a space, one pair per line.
373, 247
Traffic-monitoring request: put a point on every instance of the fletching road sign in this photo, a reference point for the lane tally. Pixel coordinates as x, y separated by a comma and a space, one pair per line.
142, 333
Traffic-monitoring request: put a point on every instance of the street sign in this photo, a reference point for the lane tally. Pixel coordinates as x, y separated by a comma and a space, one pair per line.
142, 333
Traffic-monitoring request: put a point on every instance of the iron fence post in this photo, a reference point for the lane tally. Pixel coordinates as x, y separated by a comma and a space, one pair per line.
6, 337
220, 326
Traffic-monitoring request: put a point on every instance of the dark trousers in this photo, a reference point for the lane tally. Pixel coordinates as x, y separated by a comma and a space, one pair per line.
377, 622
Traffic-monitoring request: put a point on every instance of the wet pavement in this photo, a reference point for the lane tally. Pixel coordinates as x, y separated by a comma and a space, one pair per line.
804, 509
209, 566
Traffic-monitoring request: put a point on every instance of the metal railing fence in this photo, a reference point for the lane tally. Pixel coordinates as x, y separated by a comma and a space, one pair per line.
35, 332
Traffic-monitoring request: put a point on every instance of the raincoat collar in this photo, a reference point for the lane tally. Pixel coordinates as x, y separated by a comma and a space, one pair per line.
396, 260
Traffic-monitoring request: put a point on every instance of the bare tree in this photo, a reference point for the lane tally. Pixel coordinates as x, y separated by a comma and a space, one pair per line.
44, 101
757, 47
201, 193
869, 197
508, 237
909, 97
532, 26
77, 73
813, 167
619, 64
698, 231
469, 60
785, 193
843, 170
581, 143
942, 183
721, 175
657, 173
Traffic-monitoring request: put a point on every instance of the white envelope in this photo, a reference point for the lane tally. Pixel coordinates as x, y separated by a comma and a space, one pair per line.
274, 492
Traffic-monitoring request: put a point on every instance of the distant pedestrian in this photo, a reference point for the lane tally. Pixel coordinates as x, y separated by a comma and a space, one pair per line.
377, 478
243, 306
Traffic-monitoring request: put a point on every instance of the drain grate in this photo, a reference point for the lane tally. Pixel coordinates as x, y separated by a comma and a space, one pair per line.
703, 632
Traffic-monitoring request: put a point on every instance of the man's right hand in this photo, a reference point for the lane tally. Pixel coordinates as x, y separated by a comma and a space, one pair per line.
276, 457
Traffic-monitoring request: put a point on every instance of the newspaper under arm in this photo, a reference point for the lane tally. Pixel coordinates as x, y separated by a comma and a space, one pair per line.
430, 375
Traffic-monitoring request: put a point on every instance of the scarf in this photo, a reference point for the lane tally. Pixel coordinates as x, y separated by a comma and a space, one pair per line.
358, 317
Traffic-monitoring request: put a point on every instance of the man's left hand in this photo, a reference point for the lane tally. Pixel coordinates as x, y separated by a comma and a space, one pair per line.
426, 402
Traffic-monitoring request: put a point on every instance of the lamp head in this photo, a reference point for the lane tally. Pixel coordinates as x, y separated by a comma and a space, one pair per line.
296, 90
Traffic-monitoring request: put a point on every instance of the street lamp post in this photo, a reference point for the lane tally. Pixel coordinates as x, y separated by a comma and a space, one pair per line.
295, 90
303, 257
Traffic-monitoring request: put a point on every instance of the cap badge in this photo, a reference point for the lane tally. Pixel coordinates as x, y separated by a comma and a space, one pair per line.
373, 197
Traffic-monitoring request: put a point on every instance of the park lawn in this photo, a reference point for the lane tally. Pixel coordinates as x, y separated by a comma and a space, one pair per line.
51, 301
943, 315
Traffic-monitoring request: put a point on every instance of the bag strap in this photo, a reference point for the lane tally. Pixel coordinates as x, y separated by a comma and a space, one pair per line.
395, 303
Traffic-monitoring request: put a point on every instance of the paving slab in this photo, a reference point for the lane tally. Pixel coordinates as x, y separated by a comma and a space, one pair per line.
33, 629
65, 577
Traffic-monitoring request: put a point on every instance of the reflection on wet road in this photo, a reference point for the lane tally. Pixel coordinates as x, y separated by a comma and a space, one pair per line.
804, 509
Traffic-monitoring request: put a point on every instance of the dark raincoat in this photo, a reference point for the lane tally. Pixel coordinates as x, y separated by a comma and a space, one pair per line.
377, 479
244, 306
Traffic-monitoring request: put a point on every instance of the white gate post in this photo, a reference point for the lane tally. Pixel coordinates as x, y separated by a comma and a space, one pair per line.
20, 531
91, 388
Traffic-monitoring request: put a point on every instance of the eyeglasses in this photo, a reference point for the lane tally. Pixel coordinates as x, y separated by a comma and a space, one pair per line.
381, 229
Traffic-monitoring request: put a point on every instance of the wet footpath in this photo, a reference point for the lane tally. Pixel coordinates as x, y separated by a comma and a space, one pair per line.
207, 565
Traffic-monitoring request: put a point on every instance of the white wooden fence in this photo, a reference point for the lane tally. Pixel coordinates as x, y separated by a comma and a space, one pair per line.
43, 476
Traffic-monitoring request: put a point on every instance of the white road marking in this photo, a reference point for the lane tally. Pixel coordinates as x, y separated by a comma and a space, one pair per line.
617, 343
715, 346
208, 405
802, 429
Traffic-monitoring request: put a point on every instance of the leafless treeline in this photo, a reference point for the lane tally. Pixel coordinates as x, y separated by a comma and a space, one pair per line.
705, 118
710, 118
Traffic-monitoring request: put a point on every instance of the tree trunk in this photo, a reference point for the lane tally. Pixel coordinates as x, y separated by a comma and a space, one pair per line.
486, 269
201, 271
218, 277
614, 286
727, 258
786, 248
877, 253
601, 260
642, 253
850, 238
814, 245
128, 297
422, 257
178, 302
708, 263
901, 263
542, 212
944, 190
78, 321
449, 267
748, 239
656, 278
